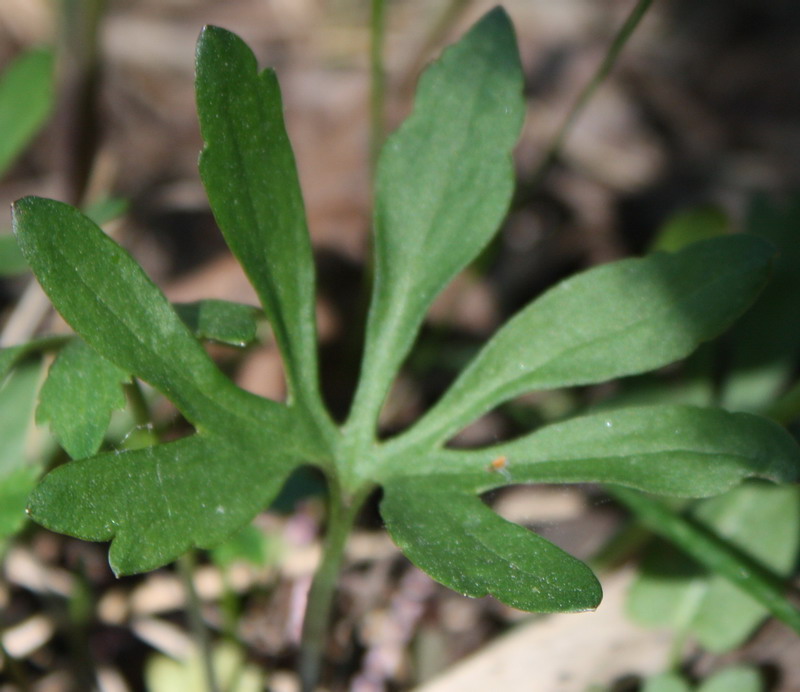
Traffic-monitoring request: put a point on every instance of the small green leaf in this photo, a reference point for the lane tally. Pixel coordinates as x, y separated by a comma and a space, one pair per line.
156, 503
672, 450
106, 209
81, 391
666, 682
761, 520
107, 298
691, 226
443, 186
26, 99
220, 320
251, 545
734, 679
249, 173
619, 319
463, 544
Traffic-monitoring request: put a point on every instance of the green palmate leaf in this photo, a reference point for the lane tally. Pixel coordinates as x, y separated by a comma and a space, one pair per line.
714, 553
619, 319
81, 391
205, 487
765, 343
159, 501
249, 172
220, 320
26, 99
116, 308
463, 544
673, 590
443, 185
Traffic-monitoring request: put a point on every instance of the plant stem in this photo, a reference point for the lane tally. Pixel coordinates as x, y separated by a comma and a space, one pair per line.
78, 74
377, 81
714, 553
341, 516
186, 565
605, 67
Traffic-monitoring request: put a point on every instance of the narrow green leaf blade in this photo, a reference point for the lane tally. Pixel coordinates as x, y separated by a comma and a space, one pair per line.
220, 320
460, 542
714, 553
444, 182
671, 450
619, 319
249, 172
156, 503
109, 300
81, 391
26, 99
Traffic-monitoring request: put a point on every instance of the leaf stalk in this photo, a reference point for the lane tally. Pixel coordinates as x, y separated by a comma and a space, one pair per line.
341, 517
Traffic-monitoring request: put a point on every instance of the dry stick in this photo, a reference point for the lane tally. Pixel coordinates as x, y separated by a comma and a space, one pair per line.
625, 32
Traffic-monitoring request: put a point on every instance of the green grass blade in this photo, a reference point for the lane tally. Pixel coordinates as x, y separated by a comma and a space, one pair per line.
760, 519
714, 553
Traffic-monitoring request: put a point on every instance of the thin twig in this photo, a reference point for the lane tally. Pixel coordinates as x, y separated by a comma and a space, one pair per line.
186, 565
605, 67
